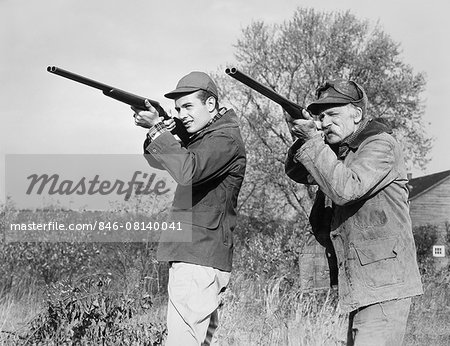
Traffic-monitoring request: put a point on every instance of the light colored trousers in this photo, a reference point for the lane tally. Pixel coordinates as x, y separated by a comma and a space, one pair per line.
380, 324
194, 292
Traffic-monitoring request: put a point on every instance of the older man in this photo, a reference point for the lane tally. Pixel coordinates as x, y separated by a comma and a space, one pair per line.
209, 170
361, 209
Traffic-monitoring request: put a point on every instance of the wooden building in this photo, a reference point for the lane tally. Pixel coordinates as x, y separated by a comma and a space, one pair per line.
430, 205
430, 199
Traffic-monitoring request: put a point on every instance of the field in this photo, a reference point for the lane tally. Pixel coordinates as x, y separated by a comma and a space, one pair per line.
79, 293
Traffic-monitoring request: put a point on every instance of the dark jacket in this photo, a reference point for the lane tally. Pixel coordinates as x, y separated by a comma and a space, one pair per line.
209, 172
370, 224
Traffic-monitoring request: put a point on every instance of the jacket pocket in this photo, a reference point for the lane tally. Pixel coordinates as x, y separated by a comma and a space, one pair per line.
206, 217
371, 212
379, 263
370, 217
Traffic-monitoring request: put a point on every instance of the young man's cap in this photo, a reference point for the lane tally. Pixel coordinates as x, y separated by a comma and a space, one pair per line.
337, 93
194, 81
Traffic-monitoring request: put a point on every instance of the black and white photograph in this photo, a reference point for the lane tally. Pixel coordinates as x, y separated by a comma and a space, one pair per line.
224, 172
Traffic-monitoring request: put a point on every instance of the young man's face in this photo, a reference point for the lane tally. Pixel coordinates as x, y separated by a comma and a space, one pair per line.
194, 114
339, 122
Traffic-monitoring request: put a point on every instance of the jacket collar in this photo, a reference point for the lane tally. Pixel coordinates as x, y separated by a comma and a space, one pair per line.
370, 127
227, 118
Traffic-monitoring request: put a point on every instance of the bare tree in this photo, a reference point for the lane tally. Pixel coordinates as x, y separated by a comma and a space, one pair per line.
294, 58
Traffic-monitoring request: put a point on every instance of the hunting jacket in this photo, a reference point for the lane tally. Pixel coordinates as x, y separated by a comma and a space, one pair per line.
209, 172
370, 226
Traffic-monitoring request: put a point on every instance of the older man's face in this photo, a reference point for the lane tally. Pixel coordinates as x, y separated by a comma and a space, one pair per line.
338, 123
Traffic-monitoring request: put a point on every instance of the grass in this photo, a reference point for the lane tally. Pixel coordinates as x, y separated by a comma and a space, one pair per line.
263, 315
268, 314
261, 312
17, 308
91, 293
429, 318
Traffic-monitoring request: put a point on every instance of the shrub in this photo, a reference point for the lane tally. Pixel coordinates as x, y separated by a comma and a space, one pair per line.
268, 248
90, 311
425, 237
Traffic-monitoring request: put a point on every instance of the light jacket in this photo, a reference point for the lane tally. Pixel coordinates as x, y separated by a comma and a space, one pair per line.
209, 172
370, 224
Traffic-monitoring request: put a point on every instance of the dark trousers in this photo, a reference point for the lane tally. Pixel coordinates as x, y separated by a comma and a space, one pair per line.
380, 324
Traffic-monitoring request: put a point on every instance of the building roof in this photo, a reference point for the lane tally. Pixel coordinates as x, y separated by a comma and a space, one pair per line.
420, 185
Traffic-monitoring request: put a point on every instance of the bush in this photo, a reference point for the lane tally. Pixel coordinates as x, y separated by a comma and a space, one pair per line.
425, 237
268, 248
90, 311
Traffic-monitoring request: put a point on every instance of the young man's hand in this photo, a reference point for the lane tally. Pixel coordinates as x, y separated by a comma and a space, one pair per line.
147, 118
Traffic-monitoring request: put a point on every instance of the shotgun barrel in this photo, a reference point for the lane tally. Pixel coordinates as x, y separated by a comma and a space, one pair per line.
122, 96
293, 109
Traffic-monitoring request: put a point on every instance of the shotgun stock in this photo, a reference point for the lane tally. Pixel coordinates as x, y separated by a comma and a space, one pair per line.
123, 96
293, 109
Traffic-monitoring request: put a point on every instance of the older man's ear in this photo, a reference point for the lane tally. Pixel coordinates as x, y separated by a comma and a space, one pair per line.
358, 114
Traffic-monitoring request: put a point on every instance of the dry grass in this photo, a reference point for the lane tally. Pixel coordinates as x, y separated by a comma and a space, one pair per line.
257, 310
17, 308
264, 312
429, 319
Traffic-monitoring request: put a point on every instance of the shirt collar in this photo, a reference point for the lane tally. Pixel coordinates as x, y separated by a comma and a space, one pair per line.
369, 127
216, 117
352, 139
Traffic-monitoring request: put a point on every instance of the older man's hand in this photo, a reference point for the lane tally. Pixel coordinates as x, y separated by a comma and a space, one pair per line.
305, 128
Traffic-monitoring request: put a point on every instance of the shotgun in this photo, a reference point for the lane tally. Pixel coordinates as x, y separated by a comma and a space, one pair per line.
293, 109
125, 97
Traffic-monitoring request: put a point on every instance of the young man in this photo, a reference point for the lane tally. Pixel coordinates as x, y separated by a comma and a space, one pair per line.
363, 196
209, 170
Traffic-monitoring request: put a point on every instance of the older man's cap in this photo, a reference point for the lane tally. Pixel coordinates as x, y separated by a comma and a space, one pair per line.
337, 93
192, 82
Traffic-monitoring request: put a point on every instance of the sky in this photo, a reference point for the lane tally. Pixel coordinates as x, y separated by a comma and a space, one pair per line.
145, 46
